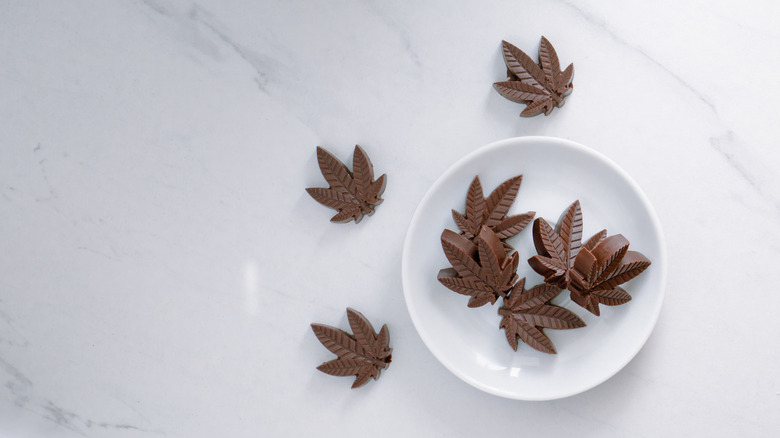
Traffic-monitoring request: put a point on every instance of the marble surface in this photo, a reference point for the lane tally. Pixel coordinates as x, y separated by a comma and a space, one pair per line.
161, 261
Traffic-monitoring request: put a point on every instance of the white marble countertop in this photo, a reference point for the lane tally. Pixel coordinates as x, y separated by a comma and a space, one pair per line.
161, 261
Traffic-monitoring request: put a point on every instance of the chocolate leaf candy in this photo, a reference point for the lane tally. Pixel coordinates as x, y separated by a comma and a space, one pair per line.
352, 194
492, 211
591, 272
542, 86
557, 247
600, 266
526, 313
481, 269
364, 354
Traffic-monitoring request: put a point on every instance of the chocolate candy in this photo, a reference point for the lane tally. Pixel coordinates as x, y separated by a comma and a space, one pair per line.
480, 269
591, 272
364, 354
353, 194
492, 211
526, 313
542, 86
598, 270
557, 247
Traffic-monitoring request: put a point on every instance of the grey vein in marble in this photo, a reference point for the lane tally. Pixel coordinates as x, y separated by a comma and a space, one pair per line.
21, 387
44, 174
601, 24
196, 16
11, 336
718, 142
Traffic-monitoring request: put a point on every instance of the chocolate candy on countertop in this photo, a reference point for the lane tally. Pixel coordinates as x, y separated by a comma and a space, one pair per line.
354, 194
364, 354
541, 86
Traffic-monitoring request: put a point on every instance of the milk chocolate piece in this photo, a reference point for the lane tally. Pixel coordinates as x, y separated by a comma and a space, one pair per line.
591, 272
481, 269
557, 247
542, 86
526, 313
364, 354
492, 211
352, 194
597, 273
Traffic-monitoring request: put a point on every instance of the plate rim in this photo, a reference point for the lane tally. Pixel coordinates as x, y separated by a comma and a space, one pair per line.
517, 141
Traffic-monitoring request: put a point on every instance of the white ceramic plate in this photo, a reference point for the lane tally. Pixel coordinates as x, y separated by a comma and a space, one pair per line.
468, 341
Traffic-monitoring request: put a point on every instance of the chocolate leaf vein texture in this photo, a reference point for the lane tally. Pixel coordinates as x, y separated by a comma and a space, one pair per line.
557, 247
354, 194
363, 354
597, 273
540, 86
492, 211
592, 271
481, 269
526, 313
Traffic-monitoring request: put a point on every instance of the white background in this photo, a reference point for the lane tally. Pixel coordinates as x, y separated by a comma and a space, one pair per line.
161, 261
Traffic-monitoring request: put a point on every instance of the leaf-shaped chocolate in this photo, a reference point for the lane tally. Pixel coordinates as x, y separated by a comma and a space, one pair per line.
591, 271
598, 272
352, 194
482, 269
526, 313
492, 211
542, 88
557, 247
363, 354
